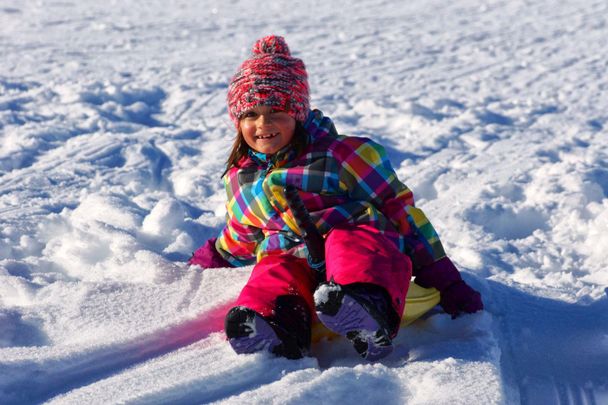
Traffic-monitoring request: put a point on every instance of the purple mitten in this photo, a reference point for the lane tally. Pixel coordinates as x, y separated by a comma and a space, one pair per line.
208, 257
440, 274
456, 295
459, 297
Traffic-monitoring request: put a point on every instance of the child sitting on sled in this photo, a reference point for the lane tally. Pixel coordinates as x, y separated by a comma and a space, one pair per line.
375, 238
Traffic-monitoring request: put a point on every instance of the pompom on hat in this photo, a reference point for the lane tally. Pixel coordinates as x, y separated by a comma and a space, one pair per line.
272, 78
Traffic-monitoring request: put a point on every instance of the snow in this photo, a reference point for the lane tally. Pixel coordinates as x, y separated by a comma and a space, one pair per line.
114, 134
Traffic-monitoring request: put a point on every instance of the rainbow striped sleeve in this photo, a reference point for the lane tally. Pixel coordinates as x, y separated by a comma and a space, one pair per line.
368, 175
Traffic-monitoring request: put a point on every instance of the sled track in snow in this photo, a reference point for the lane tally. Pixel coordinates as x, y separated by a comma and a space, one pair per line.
549, 348
43, 382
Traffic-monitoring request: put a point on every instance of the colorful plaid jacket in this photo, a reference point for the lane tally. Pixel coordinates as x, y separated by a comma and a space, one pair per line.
342, 179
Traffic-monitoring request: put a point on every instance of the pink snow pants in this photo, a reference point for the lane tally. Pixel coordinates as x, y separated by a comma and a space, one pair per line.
353, 254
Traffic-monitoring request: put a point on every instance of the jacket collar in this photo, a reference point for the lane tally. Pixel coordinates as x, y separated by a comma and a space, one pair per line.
277, 159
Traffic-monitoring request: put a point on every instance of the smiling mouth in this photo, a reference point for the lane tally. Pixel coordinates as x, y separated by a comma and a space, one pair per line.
266, 136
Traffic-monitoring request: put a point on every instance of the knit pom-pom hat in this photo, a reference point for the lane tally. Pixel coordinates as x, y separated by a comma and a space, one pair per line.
272, 78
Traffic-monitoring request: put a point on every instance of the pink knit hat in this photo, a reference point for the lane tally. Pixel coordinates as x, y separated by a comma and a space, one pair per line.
271, 77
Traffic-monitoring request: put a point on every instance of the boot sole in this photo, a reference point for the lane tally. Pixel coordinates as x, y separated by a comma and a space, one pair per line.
343, 315
248, 332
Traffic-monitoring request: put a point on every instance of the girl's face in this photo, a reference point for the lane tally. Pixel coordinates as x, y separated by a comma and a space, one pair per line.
267, 130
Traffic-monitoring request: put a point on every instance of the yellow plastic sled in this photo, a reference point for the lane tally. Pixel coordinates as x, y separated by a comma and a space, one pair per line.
417, 302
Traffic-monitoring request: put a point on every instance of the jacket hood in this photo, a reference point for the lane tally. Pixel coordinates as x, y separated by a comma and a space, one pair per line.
317, 126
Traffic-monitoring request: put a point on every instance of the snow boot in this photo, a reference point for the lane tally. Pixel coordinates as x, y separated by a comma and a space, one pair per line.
360, 312
285, 334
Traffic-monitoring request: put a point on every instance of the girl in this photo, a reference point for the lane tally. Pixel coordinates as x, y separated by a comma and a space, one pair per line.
375, 238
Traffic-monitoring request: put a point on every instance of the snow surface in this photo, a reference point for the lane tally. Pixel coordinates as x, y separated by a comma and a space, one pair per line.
114, 134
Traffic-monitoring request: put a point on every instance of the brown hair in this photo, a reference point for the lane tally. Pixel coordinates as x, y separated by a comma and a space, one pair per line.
240, 149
